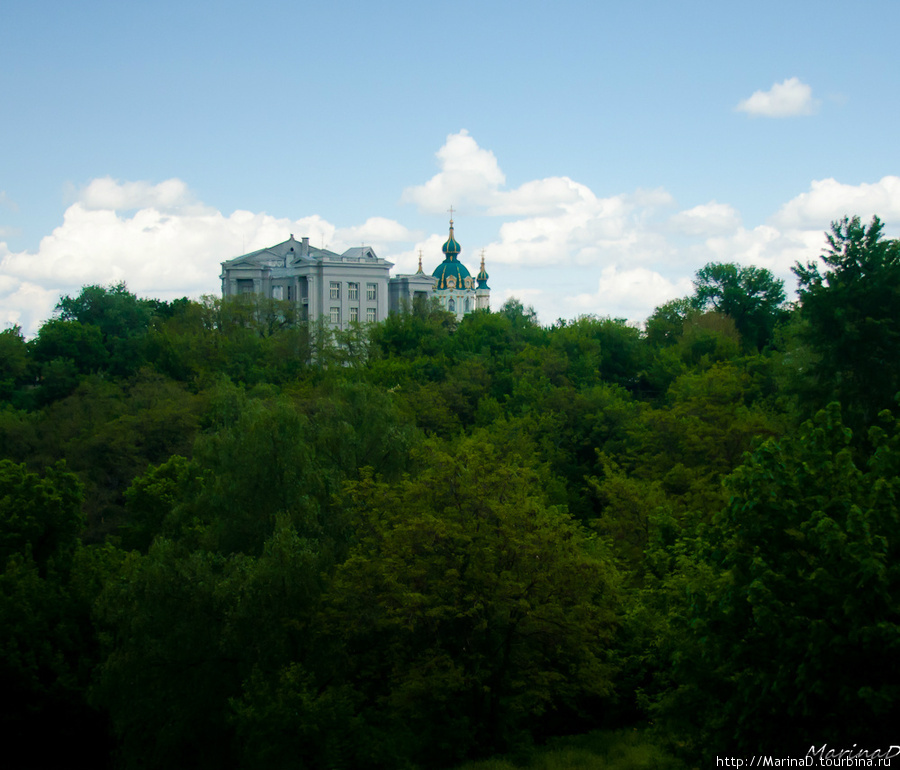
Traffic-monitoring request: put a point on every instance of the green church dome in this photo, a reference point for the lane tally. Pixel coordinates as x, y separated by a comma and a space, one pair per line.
451, 246
451, 267
482, 276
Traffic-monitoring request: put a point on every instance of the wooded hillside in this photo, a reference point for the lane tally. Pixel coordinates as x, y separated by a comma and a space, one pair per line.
232, 539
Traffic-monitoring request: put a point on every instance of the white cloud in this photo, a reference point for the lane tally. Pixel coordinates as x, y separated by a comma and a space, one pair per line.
767, 246
707, 219
632, 294
471, 179
468, 175
782, 100
377, 232
561, 229
110, 194
407, 261
829, 200
23, 303
796, 232
541, 196
552, 221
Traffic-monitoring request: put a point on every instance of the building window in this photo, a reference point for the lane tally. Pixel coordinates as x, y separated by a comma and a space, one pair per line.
277, 292
245, 285
352, 291
335, 291
354, 312
468, 306
290, 293
371, 291
451, 306
370, 315
335, 315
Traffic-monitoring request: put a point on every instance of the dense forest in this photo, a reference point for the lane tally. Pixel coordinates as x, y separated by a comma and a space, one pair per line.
231, 539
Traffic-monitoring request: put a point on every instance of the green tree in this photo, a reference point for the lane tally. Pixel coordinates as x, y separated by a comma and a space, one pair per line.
665, 325
47, 645
154, 496
851, 323
121, 317
601, 348
788, 622
411, 335
196, 641
13, 362
167, 674
469, 606
113, 309
260, 465
39, 517
751, 296
70, 340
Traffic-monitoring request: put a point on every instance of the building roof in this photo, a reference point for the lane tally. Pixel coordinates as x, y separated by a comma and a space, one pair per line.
293, 252
360, 252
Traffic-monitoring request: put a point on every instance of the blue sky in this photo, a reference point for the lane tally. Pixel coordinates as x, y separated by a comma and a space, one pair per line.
599, 153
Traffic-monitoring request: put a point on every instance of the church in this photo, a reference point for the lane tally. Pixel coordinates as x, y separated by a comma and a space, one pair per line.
353, 287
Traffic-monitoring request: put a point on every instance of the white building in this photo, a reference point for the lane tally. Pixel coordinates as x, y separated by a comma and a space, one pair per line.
355, 286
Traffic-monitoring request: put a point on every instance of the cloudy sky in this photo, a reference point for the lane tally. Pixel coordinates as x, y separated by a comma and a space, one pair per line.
599, 153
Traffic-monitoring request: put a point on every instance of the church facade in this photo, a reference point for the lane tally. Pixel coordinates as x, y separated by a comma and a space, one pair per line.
353, 287
457, 290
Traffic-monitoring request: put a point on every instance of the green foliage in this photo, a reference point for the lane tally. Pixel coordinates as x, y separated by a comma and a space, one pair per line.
751, 296
791, 626
601, 348
120, 318
293, 723
260, 466
708, 338
197, 642
354, 426
167, 675
152, 500
13, 362
39, 517
626, 508
313, 584
469, 606
409, 335
248, 339
620, 750
46, 639
664, 326
524, 319
851, 323
113, 309
64, 349
108, 432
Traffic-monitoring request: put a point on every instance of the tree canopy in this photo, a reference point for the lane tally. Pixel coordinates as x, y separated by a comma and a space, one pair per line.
232, 538
850, 320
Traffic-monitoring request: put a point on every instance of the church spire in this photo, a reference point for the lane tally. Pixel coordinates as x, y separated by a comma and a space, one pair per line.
482, 276
451, 248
